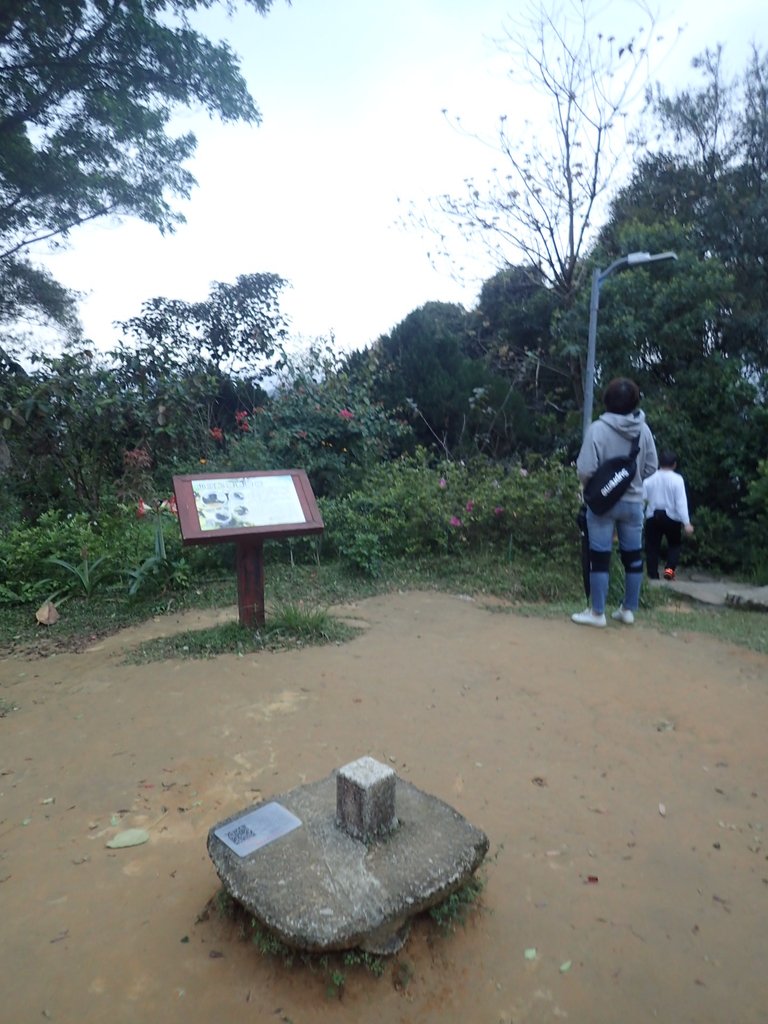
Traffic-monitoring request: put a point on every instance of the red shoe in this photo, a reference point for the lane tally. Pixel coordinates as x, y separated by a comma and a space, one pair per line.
669, 574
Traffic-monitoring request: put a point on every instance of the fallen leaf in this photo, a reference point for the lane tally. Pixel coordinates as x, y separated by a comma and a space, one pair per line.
130, 837
46, 614
530, 953
565, 966
663, 810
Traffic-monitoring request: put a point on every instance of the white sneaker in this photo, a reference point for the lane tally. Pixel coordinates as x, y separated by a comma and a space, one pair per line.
624, 615
587, 618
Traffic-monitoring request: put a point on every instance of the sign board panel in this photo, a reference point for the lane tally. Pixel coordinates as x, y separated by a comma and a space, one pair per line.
230, 506
257, 828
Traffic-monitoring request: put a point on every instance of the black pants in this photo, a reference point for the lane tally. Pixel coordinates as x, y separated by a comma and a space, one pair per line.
658, 527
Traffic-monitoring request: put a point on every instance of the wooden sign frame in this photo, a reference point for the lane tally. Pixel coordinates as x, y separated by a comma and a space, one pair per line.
247, 508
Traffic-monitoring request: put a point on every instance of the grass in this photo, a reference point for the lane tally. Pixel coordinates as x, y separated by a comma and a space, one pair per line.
541, 587
288, 626
455, 909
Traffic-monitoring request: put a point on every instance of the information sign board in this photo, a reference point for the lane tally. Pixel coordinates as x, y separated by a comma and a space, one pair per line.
226, 506
247, 508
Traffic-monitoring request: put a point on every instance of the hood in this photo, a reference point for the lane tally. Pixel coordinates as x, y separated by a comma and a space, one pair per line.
628, 426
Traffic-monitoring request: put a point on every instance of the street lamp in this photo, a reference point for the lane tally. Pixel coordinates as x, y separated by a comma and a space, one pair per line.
633, 259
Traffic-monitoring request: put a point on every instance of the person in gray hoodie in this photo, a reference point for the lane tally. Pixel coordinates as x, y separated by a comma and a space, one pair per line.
607, 437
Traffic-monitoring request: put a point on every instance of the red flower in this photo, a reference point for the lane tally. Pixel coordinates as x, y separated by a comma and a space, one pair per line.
141, 509
346, 414
170, 505
241, 419
217, 434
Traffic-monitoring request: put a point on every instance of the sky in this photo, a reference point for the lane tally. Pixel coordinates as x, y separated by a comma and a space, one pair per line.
351, 94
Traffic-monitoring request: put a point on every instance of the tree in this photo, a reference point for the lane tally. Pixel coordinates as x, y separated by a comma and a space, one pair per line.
538, 207
454, 401
87, 90
511, 330
238, 323
696, 339
706, 170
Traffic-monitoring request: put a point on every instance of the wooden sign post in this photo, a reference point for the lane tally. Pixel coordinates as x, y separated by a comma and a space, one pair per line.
247, 508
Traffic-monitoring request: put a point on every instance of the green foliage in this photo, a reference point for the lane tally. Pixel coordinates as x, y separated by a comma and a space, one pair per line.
318, 417
409, 508
268, 944
87, 94
165, 568
455, 908
289, 625
78, 554
27, 554
456, 403
756, 503
304, 624
85, 577
84, 427
511, 330
239, 323
25, 591
370, 961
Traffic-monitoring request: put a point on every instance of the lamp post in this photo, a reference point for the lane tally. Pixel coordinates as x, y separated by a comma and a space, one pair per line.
632, 259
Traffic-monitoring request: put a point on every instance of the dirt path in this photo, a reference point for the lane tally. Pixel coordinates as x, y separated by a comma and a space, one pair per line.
560, 742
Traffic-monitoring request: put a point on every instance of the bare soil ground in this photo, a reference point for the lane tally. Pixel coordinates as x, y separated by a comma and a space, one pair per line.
621, 775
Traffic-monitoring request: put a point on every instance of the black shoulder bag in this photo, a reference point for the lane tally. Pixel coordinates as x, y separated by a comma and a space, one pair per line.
610, 480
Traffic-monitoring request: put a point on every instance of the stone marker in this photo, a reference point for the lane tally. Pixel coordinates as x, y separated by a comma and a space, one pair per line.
372, 851
365, 799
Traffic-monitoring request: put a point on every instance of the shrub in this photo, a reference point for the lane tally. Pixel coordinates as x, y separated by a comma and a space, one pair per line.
410, 507
60, 552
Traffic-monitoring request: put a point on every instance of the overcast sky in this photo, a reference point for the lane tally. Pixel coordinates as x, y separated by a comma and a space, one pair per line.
351, 94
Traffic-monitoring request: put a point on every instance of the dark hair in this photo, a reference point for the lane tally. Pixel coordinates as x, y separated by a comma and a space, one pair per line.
667, 459
621, 395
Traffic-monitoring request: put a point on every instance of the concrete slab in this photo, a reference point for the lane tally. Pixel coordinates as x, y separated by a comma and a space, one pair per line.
320, 889
717, 591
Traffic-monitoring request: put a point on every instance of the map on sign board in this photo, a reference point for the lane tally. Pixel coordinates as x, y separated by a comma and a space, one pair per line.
227, 504
257, 828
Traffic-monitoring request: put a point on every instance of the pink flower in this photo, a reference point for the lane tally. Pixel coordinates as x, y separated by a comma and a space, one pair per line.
498, 511
141, 509
470, 506
443, 483
346, 414
455, 521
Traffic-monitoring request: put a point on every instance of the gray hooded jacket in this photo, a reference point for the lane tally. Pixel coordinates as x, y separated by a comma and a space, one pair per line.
612, 435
